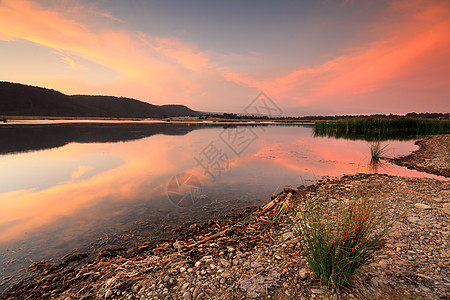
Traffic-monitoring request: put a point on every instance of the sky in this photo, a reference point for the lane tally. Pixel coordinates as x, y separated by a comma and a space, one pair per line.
318, 57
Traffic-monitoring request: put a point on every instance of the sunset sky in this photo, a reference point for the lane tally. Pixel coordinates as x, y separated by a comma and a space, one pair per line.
310, 57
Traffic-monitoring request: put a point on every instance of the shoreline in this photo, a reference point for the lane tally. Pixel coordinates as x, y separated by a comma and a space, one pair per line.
252, 256
431, 157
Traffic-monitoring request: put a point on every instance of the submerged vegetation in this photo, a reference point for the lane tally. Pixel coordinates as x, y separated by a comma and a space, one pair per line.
376, 129
338, 241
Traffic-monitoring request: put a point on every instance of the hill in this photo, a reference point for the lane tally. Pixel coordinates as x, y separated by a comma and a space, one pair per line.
24, 100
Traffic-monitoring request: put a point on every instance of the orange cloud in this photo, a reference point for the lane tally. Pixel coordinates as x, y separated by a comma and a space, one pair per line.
410, 52
159, 66
111, 17
67, 60
407, 50
187, 56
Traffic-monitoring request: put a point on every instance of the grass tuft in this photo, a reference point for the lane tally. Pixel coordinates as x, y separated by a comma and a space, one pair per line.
338, 240
377, 153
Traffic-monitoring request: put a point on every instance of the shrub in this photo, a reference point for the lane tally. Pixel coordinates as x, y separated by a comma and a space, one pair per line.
337, 240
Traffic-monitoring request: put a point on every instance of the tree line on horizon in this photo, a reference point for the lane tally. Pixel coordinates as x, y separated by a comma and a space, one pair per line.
427, 115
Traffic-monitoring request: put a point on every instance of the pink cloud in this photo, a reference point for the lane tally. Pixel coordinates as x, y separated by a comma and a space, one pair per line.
407, 55
158, 68
412, 52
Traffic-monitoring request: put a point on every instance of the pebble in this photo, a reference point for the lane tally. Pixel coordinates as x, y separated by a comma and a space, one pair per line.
422, 206
195, 292
317, 291
108, 294
224, 262
303, 273
412, 219
187, 296
446, 208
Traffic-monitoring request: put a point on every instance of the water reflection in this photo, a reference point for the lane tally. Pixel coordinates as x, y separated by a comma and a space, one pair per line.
22, 138
369, 136
92, 188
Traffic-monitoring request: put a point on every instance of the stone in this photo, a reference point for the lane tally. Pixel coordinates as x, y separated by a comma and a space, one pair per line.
187, 296
437, 199
383, 263
422, 206
224, 262
412, 219
207, 258
303, 273
446, 208
196, 292
257, 285
317, 291
108, 294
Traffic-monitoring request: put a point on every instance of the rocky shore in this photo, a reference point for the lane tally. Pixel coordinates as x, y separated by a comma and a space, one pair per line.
433, 156
255, 255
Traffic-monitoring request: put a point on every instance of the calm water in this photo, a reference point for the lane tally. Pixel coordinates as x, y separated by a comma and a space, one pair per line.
79, 187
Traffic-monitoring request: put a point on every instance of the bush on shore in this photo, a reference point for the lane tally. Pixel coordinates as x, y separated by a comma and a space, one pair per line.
337, 240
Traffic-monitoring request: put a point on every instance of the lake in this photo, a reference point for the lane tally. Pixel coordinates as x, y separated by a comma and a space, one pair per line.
79, 187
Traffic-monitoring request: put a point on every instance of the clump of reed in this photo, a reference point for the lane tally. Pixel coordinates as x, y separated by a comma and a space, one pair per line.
337, 240
377, 153
374, 128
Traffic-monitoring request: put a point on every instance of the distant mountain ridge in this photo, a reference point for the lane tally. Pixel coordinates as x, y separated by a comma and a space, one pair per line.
25, 100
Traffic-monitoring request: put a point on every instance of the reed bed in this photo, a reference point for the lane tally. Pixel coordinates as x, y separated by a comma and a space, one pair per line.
373, 129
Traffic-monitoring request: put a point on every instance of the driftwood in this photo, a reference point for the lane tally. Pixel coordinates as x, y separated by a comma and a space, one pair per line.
267, 215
